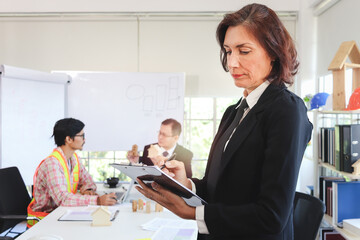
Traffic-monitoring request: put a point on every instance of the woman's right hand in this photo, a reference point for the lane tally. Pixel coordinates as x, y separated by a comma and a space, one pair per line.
176, 169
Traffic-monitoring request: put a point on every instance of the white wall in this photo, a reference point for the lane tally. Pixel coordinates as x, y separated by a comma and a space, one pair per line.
46, 6
305, 84
123, 38
340, 23
306, 46
151, 43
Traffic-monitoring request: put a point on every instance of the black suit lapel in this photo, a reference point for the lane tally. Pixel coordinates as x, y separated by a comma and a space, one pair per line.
239, 136
220, 131
228, 121
248, 123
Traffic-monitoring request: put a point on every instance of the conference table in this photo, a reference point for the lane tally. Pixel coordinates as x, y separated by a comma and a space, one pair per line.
127, 224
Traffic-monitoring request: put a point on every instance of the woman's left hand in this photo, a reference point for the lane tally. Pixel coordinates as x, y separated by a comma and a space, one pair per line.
167, 199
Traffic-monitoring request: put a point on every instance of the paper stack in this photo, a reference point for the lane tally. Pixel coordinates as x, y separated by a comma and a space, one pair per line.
352, 225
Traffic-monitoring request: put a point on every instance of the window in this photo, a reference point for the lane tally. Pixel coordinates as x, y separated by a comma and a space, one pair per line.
201, 120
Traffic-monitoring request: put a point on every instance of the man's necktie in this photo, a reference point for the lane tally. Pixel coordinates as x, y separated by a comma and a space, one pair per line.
165, 154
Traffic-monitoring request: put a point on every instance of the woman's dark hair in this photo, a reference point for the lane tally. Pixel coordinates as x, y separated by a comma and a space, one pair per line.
267, 28
66, 127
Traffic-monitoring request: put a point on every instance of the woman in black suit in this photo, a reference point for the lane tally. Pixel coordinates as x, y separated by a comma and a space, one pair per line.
254, 161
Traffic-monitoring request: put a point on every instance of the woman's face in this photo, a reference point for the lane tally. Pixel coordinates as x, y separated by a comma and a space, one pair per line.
248, 62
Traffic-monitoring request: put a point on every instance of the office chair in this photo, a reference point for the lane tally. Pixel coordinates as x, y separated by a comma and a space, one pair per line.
14, 198
308, 214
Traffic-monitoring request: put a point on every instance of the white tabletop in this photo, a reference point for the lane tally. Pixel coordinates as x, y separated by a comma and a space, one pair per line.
126, 226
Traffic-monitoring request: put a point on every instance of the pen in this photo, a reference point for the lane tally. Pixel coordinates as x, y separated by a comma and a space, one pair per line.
115, 215
172, 157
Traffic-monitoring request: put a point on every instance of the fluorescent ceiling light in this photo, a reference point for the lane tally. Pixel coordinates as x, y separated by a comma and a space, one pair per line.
324, 5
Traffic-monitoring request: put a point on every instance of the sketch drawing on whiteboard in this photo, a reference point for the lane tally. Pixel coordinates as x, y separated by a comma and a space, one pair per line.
134, 92
174, 83
174, 98
160, 98
148, 103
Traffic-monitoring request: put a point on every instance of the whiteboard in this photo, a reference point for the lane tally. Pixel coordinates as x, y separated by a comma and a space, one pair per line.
30, 102
120, 109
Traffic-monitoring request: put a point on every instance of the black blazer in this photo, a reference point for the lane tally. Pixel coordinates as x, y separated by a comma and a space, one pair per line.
182, 154
259, 169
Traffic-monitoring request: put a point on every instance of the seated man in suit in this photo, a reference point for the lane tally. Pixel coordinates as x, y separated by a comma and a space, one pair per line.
169, 133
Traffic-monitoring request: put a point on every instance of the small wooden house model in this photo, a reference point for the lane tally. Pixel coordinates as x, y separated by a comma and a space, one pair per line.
356, 167
140, 204
148, 206
158, 208
338, 67
101, 217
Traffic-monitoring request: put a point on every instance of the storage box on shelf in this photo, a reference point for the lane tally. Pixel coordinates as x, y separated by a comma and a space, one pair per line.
325, 164
332, 128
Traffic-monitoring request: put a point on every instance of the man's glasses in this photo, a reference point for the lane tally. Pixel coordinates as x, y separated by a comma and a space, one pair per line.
163, 134
80, 135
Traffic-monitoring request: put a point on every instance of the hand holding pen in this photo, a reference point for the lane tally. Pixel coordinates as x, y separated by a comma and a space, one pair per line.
107, 199
176, 169
172, 157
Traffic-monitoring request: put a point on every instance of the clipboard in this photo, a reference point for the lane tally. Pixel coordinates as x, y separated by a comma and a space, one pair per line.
149, 174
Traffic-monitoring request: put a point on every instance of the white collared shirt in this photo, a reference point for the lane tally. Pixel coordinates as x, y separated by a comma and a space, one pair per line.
251, 100
170, 151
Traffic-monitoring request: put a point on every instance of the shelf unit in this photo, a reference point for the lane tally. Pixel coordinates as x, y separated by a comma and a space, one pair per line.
345, 174
330, 119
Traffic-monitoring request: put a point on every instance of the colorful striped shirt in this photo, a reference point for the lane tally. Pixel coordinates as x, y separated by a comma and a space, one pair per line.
51, 191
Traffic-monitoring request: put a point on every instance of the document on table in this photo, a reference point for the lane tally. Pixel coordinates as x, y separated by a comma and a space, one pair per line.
175, 233
156, 223
166, 229
84, 214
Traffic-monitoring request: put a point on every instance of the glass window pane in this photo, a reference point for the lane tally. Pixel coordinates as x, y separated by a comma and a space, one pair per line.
187, 108
222, 104
186, 132
202, 108
82, 154
104, 154
100, 169
121, 154
201, 138
85, 162
198, 168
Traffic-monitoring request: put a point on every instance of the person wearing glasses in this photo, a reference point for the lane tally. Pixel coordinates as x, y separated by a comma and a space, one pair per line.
168, 137
61, 179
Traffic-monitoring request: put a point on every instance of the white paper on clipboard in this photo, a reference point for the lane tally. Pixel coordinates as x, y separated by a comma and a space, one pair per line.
148, 174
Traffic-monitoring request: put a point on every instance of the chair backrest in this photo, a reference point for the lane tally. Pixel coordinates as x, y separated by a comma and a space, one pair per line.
14, 197
308, 214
